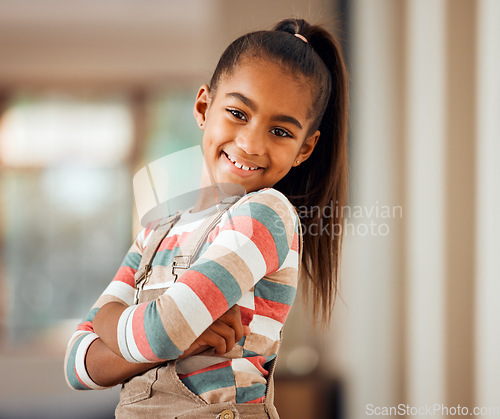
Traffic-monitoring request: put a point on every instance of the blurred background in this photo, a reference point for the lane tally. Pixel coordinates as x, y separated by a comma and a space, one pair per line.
91, 91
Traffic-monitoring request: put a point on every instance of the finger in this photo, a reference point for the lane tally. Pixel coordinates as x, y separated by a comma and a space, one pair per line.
226, 332
232, 318
218, 342
194, 349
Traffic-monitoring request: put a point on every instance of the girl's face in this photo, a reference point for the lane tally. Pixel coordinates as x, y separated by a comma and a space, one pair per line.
256, 125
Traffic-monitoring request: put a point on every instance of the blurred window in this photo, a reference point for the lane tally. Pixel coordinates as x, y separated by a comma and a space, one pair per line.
66, 205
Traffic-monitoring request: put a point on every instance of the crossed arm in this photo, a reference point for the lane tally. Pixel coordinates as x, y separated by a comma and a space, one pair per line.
107, 367
257, 242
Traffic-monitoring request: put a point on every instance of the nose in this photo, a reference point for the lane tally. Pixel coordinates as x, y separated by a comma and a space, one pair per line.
251, 141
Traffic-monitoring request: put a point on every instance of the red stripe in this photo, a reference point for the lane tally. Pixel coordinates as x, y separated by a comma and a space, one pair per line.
207, 292
246, 315
86, 326
259, 400
79, 379
260, 236
126, 275
149, 229
172, 242
140, 334
258, 362
210, 368
272, 309
213, 234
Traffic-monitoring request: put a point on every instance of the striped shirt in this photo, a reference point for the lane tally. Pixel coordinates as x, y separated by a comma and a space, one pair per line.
250, 258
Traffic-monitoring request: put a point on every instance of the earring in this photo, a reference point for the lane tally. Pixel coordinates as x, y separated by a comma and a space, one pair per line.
298, 162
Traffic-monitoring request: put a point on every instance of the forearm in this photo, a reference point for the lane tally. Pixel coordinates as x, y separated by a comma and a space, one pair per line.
115, 325
107, 369
105, 324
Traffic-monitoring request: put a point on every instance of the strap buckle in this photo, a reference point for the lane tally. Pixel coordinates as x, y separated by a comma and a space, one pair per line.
141, 281
181, 262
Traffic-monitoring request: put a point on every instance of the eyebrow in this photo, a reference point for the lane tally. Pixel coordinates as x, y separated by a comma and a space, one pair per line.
251, 104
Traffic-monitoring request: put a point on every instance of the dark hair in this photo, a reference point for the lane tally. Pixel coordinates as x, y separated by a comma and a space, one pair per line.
322, 179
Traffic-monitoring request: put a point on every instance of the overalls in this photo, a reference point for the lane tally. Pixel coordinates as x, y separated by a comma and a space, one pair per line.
159, 392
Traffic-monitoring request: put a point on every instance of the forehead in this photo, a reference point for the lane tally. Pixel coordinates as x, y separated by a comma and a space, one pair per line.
270, 85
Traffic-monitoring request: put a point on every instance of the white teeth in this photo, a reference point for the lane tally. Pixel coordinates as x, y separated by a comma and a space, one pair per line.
240, 166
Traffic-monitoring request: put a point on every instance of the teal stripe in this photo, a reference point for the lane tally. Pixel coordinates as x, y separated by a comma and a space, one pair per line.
165, 257
90, 315
247, 394
271, 220
273, 291
159, 341
210, 380
70, 366
132, 260
221, 277
251, 354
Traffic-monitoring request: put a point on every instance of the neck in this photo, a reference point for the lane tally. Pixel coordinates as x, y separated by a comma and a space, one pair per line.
207, 198
212, 193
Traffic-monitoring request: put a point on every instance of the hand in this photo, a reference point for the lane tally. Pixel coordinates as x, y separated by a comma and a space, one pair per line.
222, 334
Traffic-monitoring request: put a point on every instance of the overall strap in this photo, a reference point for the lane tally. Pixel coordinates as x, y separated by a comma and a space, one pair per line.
193, 244
159, 233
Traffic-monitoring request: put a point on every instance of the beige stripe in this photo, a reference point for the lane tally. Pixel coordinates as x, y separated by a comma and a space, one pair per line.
233, 263
219, 395
261, 344
176, 326
285, 276
146, 296
236, 352
282, 210
246, 379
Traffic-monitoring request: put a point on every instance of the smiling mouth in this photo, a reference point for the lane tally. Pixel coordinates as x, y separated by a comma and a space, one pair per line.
240, 166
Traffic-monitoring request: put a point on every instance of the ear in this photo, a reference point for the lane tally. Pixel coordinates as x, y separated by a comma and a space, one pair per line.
201, 105
307, 148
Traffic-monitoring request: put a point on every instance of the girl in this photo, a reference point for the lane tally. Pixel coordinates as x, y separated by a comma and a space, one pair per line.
201, 338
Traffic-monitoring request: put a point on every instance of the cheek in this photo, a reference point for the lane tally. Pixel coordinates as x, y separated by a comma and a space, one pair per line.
209, 141
215, 134
284, 159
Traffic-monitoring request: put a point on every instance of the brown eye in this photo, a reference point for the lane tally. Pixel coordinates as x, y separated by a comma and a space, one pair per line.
237, 114
280, 132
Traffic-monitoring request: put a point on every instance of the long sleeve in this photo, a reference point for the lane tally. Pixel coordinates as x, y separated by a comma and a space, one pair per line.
121, 289
255, 239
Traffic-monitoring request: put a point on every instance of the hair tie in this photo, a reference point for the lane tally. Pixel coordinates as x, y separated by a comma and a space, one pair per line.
298, 35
